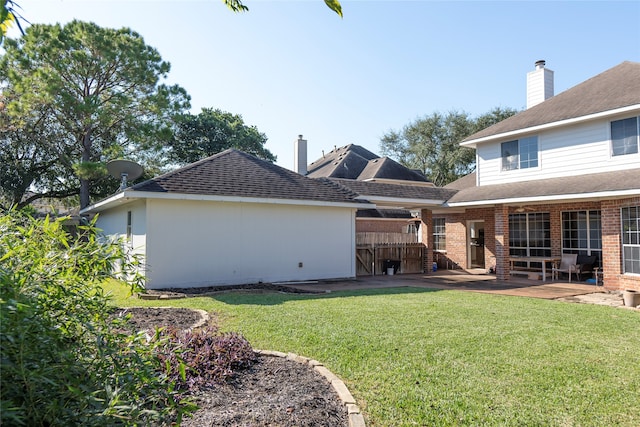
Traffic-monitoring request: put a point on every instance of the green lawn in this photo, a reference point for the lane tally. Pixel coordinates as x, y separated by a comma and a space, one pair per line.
413, 357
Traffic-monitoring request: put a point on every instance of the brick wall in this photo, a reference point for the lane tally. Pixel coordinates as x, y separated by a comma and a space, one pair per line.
426, 229
381, 225
456, 232
497, 237
612, 246
503, 267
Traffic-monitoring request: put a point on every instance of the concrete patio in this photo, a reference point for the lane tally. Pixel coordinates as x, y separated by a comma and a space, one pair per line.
475, 281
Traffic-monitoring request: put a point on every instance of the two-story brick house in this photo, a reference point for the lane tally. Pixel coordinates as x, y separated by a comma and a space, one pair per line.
562, 176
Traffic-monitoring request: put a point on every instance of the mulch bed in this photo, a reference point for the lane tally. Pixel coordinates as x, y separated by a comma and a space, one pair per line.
274, 391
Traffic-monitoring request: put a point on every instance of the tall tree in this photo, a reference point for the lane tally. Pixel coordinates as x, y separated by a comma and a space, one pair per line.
431, 144
101, 93
213, 131
26, 157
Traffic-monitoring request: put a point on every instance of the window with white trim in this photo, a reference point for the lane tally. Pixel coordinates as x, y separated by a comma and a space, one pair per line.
530, 234
582, 233
624, 136
439, 236
520, 154
631, 239
129, 228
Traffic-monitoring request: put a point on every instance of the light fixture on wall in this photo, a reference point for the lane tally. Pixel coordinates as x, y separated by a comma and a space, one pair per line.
523, 209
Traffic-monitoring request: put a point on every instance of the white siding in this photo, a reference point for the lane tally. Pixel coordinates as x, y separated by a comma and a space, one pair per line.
195, 243
572, 150
114, 223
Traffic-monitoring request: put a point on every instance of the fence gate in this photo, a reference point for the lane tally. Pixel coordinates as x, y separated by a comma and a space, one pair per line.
374, 259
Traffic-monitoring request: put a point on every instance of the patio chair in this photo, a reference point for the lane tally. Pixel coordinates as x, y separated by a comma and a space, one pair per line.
585, 265
567, 265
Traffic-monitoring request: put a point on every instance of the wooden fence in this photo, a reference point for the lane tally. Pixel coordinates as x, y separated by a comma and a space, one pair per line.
374, 259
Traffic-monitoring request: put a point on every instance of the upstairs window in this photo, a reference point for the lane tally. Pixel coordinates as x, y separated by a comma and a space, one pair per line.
624, 136
520, 154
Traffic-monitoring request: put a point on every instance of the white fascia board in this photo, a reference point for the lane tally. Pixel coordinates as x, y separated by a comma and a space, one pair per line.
551, 125
398, 201
118, 198
545, 199
127, 196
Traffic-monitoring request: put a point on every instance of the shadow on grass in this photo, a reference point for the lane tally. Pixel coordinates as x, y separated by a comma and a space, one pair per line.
275, 298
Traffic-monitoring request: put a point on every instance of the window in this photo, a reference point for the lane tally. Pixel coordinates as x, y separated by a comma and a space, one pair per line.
582, 233
624, 136
128, 226
520, 154
439, 237
529, 234
631, 239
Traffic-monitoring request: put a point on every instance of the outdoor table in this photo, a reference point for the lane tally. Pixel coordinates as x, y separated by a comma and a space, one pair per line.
541, 259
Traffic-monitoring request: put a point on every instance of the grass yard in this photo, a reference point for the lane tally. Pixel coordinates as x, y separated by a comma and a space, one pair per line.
413, 357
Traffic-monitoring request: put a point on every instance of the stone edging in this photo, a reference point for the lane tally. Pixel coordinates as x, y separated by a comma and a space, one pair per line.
204, 318
356, 419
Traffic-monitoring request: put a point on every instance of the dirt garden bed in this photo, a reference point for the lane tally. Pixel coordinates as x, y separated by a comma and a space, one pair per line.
275, 391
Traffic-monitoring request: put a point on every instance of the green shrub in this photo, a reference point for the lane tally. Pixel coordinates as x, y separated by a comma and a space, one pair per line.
62, 361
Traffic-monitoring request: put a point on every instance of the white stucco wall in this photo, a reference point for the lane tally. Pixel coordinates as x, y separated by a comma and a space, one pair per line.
200, 243
114, 223
572, 150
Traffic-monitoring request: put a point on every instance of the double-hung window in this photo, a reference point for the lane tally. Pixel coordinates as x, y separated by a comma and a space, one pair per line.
631, 239
129, 227
439, 236
624, 136
520, 154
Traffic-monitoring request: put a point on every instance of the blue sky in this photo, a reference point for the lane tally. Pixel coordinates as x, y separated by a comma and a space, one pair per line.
294, 67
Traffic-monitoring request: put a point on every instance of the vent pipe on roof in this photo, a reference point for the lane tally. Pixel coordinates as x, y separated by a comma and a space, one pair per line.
539, 84
300, 155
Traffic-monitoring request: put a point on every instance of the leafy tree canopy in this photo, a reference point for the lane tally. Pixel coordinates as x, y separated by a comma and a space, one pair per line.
238, 6
213, 131
8, 16
431, 144
75, 97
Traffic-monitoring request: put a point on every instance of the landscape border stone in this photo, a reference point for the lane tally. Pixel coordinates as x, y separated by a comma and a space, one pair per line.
356, 419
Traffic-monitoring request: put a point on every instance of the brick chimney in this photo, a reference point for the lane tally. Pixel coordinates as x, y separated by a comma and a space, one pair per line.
539, 84
300, 156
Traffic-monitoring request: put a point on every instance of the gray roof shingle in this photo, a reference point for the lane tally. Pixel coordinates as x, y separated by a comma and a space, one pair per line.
355, 162
615, 88
386, 168
234, 173
570, 186
384, 213
341, 162
406, 191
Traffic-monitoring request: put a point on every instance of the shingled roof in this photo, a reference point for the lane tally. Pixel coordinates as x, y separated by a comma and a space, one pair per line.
235, 173
615, 88
569, 187
397, 191
386, 168
341, 162
355, 162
